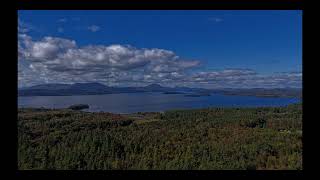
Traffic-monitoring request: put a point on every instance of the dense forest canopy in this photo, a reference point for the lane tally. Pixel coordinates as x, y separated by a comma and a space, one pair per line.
212, 138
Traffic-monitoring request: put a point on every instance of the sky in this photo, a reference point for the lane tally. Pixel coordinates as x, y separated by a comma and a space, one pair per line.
210, 49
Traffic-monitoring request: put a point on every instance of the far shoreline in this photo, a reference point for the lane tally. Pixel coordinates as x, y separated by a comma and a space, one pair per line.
164, 93
162, 111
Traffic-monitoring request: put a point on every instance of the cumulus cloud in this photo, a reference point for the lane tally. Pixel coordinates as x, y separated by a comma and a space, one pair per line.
223, 75
93, 28
57, 57
46, 49
59, 60
246, 78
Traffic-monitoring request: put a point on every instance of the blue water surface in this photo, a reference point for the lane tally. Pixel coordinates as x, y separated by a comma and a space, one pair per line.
151, 102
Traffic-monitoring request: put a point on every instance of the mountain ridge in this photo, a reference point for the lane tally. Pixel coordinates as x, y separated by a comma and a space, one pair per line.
94, 88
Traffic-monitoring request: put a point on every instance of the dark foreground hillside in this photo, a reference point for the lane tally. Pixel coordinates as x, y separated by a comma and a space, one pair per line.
217, 138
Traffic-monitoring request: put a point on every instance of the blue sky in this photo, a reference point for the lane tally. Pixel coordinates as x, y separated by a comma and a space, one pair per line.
266, 42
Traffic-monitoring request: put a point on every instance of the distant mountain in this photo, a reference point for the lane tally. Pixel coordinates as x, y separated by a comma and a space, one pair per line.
49, 87
85, 89
98, 88
89, 86
153, 86
156, 88
65, 89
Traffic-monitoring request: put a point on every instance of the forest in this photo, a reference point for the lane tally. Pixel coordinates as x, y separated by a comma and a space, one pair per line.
201, 139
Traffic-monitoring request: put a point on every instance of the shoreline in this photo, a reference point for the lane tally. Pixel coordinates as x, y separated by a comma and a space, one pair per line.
163, 111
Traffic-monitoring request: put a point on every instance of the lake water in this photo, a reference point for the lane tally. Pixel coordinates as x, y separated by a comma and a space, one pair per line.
150, 102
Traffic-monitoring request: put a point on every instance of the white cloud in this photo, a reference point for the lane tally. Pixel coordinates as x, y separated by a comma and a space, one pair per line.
45, 50
246, 78
94, 28
58, 60
62, 59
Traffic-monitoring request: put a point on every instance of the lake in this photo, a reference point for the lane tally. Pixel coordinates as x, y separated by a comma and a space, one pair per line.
151, 102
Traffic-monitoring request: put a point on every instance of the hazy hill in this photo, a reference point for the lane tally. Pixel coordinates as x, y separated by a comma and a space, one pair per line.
85, 89
98, 88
